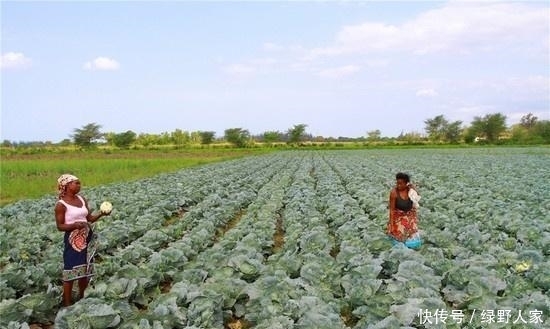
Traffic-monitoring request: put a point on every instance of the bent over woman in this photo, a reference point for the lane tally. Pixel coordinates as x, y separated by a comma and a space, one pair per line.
73, 216
403, 224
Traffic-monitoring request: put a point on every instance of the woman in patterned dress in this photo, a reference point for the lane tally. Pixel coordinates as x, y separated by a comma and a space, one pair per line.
73, 216
403, 224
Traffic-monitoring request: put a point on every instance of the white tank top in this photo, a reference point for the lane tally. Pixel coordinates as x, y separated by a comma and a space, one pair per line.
75, 214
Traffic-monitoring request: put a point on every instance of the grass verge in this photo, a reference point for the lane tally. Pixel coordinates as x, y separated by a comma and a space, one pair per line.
30, 176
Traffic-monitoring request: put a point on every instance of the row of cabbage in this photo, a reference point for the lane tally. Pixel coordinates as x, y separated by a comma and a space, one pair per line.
483, 213
142, 225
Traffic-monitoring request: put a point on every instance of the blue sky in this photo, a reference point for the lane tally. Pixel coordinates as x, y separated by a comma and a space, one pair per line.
343, 68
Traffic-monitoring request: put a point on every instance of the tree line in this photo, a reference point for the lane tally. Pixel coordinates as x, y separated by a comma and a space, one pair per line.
490, 129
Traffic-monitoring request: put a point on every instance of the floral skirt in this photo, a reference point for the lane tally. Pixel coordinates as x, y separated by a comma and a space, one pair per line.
78, 254
403, 226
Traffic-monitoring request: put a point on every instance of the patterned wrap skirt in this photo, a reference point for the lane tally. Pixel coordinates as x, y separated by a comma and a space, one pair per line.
78, 254
403, 226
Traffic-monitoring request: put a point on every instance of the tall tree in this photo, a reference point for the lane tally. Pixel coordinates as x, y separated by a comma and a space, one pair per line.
207, 137
88, 135
410, 137
146, 139
528, 121
271, 137
436, 128
179, 137
195, 137
125, 139
440, 129
237, 136
542, 131
296, 133
490, 126
453, 131
374, 135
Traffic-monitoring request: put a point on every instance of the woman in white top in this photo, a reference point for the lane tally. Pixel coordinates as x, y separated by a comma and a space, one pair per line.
72, 216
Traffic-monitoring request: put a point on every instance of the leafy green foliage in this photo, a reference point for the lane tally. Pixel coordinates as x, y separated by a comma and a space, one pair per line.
124, 140
296, 133
489, 126
87, 135
207, 137
237, 136
272, 137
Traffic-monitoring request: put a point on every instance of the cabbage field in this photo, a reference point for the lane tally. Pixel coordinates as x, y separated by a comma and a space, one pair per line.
296, 239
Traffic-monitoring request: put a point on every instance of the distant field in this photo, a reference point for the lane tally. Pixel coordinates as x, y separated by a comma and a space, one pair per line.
32, 172
26, 176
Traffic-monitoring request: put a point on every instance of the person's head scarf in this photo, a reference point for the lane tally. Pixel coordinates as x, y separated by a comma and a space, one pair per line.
62, 182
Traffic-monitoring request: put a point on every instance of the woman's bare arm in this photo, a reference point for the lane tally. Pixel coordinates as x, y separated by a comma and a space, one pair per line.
92, 218
391, 203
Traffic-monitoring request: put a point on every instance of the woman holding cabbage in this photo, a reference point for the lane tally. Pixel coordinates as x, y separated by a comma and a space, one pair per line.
403, 204
72, 215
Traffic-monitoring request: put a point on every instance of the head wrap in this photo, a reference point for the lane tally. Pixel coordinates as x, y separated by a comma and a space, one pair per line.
62, 182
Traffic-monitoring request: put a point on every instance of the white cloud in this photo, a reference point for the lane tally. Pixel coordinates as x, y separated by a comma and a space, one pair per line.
14, 60
379, 36
460, 27
339, 72
102, 64
426, 93
455, 27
